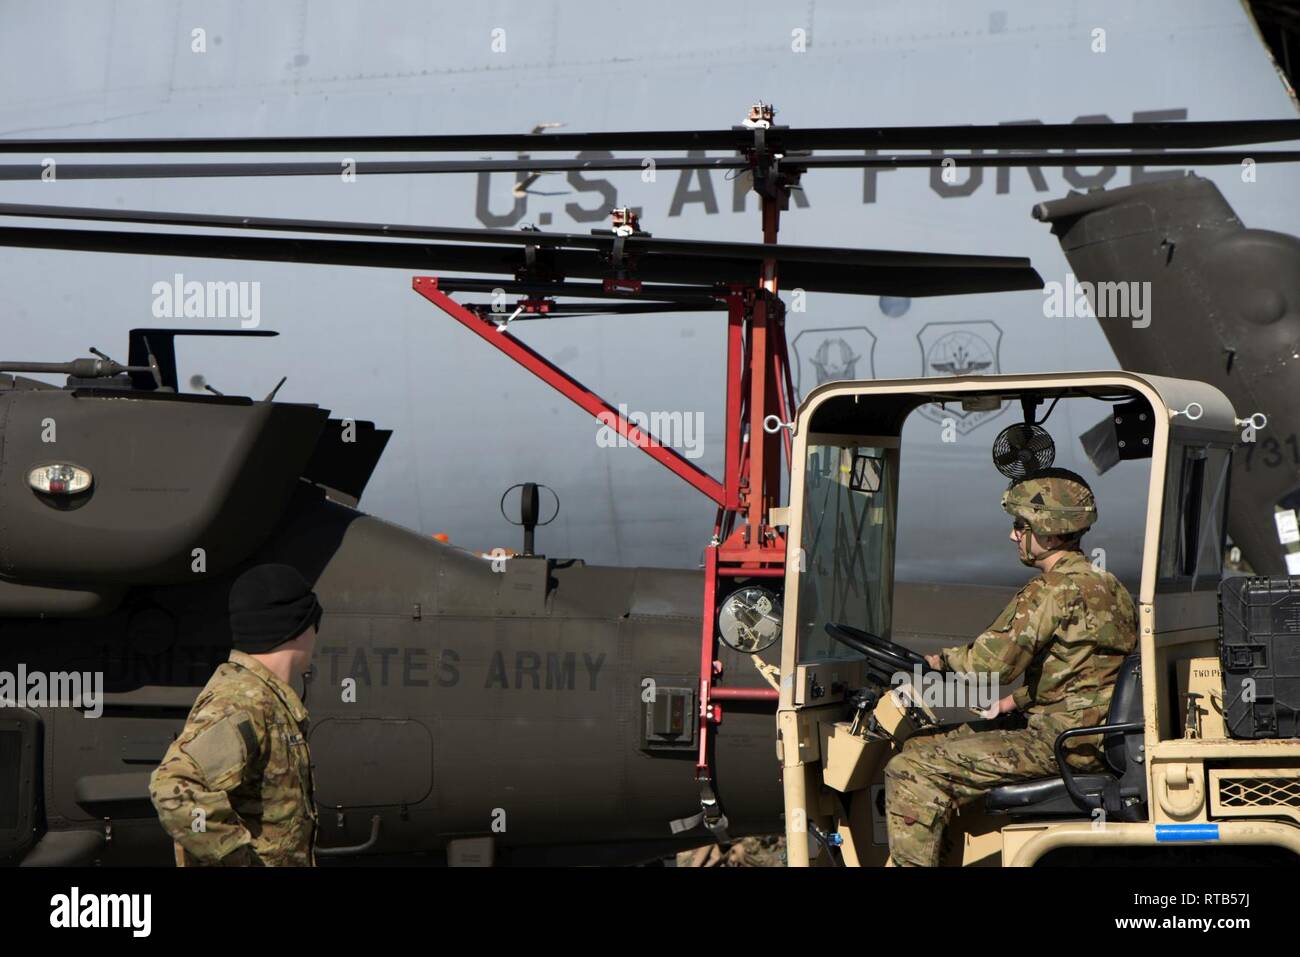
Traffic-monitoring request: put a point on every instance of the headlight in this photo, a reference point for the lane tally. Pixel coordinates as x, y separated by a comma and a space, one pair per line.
60, 479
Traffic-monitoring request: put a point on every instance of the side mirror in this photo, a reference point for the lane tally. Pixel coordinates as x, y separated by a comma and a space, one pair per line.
867, 470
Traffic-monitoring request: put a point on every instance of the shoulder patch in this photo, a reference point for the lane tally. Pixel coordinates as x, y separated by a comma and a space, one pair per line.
222, 750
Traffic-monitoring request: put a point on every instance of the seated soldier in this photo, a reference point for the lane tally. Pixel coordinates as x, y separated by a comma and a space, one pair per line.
1067, 631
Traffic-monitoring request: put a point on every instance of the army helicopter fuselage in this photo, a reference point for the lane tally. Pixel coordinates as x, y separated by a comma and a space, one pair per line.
499, 706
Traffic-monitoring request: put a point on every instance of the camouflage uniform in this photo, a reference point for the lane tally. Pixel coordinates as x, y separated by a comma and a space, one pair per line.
1067, 632
242, 760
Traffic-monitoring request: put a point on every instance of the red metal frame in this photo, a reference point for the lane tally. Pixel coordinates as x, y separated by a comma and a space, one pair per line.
566, 385
744, 543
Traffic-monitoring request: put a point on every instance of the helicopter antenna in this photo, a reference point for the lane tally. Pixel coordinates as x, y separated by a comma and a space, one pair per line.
154, 369
271, 395
529, 510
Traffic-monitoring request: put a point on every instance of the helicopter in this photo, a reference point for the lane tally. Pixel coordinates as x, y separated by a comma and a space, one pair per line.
509, 708
1232, 290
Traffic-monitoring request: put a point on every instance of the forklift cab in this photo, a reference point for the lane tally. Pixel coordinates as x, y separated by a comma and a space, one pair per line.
849, 695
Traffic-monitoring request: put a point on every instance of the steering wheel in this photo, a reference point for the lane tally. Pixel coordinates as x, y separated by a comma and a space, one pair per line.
879, 651
885, 660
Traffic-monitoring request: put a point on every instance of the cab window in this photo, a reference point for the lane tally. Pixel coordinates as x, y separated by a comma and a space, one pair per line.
1195, 515
847, 560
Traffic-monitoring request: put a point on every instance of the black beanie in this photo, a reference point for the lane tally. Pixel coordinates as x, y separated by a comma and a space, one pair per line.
269, 605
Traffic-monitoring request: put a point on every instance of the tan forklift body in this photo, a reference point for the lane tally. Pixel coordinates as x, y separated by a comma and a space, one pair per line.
1199, 786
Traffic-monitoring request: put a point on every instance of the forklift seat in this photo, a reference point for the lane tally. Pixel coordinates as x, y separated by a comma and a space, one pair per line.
1121, 793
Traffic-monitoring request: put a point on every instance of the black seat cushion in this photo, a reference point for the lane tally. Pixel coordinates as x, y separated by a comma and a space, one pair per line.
1043, 797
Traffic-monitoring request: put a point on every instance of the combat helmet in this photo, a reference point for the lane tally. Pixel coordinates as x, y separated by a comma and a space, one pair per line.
1052, 502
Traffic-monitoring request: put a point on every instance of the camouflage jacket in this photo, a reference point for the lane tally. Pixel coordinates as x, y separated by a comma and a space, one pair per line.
236, 787
1067, 632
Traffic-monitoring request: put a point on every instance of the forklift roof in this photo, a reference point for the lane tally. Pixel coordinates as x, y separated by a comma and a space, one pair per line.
1196, 411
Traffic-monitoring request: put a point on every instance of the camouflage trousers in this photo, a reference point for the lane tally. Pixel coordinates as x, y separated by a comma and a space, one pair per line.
938, 772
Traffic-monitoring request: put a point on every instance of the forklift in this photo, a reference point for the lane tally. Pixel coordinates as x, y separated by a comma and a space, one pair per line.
1200, 742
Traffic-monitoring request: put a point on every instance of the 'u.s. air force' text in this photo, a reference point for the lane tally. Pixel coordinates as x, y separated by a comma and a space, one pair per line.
415, 667
697, 190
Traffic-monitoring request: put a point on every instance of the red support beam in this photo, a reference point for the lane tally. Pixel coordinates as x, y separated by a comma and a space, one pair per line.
773, 405
707, 641
571, 388
735, 380
781, 404
758, 394
759, 384
775, 571
745, 694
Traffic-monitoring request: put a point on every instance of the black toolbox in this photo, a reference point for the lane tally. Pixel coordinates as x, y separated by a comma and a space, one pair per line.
1259, 647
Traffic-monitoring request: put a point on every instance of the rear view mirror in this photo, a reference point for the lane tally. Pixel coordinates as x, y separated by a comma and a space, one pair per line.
867, 470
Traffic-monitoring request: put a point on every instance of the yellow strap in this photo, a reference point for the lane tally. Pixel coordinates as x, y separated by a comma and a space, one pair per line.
771, 673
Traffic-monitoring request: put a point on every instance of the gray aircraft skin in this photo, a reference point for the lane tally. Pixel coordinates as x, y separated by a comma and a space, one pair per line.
467, 423
574, 773
1237, 286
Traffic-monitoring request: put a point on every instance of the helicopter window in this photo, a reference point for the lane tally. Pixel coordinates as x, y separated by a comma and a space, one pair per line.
1195, 513
848, 534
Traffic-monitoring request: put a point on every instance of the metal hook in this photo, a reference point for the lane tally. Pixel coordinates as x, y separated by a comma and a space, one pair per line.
1191, 416
773, 424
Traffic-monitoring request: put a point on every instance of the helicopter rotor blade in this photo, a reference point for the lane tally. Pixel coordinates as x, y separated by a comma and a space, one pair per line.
70, 171
1035, 158
756, 252
569, 310
13, 172
1171, 135
649, 292
897, 279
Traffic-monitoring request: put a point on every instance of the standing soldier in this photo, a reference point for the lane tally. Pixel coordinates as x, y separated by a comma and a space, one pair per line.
235, 789
1067, 632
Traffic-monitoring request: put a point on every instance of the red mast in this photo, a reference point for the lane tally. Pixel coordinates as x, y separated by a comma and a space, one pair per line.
760, 395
